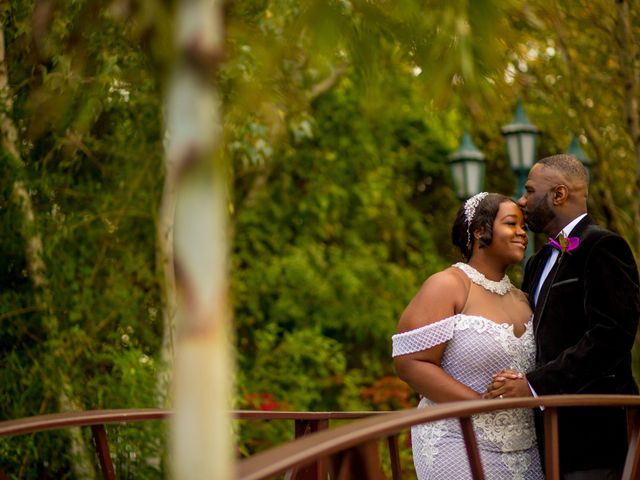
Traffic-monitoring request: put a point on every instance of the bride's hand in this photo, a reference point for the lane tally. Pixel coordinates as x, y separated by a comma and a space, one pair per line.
508, 384
498, 380
507, 374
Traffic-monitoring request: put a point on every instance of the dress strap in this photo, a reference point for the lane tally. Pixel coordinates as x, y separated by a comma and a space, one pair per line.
423, 337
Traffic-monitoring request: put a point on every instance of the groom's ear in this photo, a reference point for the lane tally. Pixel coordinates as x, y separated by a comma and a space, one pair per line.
560, 194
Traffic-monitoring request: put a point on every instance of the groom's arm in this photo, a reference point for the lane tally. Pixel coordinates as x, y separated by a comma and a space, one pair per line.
612, 309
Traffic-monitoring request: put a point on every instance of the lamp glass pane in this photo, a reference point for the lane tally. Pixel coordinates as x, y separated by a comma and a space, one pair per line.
474, 177
457, 171
528, 149
513, 149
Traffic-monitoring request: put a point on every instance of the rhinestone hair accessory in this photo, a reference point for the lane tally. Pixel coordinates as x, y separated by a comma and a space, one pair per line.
501, 288
470, 207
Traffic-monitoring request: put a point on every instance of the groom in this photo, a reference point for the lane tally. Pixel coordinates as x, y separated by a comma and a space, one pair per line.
586, 301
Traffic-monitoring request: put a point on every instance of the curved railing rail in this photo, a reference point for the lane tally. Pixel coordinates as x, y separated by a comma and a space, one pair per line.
55, 421
305, 423
325, 444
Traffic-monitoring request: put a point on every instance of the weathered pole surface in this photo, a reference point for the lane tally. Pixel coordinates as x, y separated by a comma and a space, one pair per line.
201, 428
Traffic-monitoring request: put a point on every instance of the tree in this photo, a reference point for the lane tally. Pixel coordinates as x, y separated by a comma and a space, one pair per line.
83, 332
577, 65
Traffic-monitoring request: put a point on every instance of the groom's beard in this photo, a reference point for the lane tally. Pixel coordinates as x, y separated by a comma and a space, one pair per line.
539, 215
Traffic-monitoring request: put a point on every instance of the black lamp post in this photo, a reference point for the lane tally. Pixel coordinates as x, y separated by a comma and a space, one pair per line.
575, 150
521, 137
467, 168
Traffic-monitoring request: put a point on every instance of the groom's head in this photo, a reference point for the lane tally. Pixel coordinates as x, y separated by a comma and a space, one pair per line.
555, 193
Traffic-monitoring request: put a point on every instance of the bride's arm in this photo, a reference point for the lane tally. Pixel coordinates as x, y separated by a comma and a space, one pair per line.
440, 297
422, 371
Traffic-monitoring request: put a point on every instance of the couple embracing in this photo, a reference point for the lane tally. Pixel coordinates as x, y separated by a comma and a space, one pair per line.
469, 333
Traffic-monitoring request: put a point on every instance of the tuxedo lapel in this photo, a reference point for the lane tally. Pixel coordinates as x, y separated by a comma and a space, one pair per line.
555, 272
544, 292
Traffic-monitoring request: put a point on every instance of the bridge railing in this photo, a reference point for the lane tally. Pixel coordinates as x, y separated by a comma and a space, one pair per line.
305, 423
344, 438
349, 451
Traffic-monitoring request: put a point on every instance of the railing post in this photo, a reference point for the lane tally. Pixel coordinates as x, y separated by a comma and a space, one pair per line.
551, 444
359, 461
102, 449
632, 463
472, 448
318, 470
394, 456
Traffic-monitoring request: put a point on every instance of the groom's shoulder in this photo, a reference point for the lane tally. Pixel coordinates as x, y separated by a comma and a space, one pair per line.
595, 233
597, 237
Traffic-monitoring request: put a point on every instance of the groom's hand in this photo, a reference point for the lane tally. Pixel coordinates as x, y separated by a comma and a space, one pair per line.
508, 384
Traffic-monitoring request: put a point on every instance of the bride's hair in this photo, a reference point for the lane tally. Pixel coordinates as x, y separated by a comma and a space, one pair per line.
485, 214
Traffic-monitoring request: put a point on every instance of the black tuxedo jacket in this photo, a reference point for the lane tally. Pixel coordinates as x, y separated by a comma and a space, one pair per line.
585, 322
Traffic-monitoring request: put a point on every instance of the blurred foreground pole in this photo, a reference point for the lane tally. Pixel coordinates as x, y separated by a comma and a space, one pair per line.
201, 429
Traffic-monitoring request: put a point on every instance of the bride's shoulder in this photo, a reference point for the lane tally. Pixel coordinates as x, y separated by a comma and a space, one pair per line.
451, 277
449, 285
441, 295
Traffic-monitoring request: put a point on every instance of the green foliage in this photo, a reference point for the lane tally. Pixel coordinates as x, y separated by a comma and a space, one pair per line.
328, 251
339, 116
88, 119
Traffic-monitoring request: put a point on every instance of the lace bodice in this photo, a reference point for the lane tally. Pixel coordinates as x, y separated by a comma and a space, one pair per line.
477, 347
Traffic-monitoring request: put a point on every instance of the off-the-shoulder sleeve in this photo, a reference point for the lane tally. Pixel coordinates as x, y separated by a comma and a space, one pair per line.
424, 337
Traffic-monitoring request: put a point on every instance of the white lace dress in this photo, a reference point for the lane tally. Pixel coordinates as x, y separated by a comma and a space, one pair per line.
476, 348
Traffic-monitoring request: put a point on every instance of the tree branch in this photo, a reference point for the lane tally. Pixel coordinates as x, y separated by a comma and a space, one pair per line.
326, 84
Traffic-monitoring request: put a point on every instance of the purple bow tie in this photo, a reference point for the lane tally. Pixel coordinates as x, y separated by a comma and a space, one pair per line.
564, 244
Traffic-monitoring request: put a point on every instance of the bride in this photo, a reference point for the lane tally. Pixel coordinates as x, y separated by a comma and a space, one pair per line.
464, 324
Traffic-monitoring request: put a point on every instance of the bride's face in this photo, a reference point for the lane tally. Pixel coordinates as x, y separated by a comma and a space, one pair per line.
509, 240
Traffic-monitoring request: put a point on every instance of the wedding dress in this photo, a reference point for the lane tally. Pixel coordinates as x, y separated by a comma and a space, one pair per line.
480, 342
